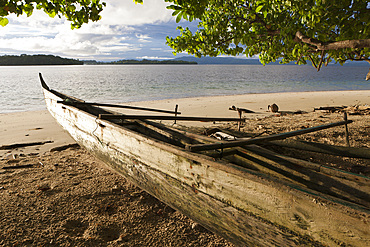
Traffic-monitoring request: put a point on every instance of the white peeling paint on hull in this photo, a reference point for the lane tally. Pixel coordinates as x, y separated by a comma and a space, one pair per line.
243, 206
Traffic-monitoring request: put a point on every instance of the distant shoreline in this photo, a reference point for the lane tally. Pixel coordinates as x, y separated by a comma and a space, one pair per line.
141, 62
36, 60
42, 60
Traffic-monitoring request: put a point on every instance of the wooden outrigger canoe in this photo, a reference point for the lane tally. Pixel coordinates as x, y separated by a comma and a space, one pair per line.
247, 195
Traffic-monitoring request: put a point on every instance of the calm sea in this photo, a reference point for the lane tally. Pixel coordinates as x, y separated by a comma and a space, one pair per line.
20, 88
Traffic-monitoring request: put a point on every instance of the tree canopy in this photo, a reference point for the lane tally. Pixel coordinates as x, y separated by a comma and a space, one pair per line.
319, 31
76, 11
316, 31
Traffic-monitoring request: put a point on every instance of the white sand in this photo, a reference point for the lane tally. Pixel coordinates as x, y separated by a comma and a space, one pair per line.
218, 106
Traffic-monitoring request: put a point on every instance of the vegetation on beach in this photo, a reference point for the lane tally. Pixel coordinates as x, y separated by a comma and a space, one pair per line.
315, 31
37, 60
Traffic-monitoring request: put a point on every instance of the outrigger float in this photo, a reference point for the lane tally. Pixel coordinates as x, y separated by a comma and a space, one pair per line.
236, 189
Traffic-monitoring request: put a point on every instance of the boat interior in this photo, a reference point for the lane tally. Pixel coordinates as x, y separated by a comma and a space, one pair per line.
353, 188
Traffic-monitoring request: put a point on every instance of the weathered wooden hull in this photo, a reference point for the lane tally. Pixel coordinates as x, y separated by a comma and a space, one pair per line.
247, 207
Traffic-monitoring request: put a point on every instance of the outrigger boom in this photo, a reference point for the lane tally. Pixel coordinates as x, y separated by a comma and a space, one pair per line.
249, 141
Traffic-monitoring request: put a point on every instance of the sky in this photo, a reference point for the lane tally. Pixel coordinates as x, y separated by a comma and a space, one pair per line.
126, 31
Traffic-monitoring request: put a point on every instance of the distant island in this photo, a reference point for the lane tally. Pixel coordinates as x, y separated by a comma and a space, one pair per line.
11, 60
220, 60
144, 61
24, 59
254, 61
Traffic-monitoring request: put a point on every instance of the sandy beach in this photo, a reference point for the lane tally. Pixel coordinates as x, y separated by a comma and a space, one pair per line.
65, 197
39, 126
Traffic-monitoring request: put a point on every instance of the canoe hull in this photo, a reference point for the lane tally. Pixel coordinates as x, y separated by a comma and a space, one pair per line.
243, 206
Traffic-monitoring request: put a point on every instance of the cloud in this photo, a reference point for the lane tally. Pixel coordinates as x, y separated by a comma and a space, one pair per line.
126, 30
143, 38
154, 58
118, 12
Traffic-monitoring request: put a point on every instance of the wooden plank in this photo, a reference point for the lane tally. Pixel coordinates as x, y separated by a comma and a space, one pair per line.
176, 108
346, 130
118, 106
243, 142
166, 131
331, 171
64, 147
351, 152
329, 108
346, 185
202, 119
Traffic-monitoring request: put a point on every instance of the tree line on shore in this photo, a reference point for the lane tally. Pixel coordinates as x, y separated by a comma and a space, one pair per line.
11, 60
147, 61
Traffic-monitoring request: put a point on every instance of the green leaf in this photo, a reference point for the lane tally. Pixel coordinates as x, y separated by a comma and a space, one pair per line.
178, 18
265, 13
259, 8
52, 14
3, 21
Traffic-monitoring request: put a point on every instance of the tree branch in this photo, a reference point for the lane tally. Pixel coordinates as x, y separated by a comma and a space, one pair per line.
320, 46
321, 60
313, 62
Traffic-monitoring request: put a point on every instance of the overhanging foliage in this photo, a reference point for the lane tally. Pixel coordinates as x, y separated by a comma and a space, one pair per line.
76, 11
319, 31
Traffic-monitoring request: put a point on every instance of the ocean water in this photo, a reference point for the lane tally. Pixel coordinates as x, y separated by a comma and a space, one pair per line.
20, 88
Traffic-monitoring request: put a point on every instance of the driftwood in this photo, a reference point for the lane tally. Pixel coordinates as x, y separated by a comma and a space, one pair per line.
346, 129
330, 108
176, 112
21, 145
240, 110
358, 110
243, 141
201, 119
17, 167
64, 147
351, 152
118, 106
